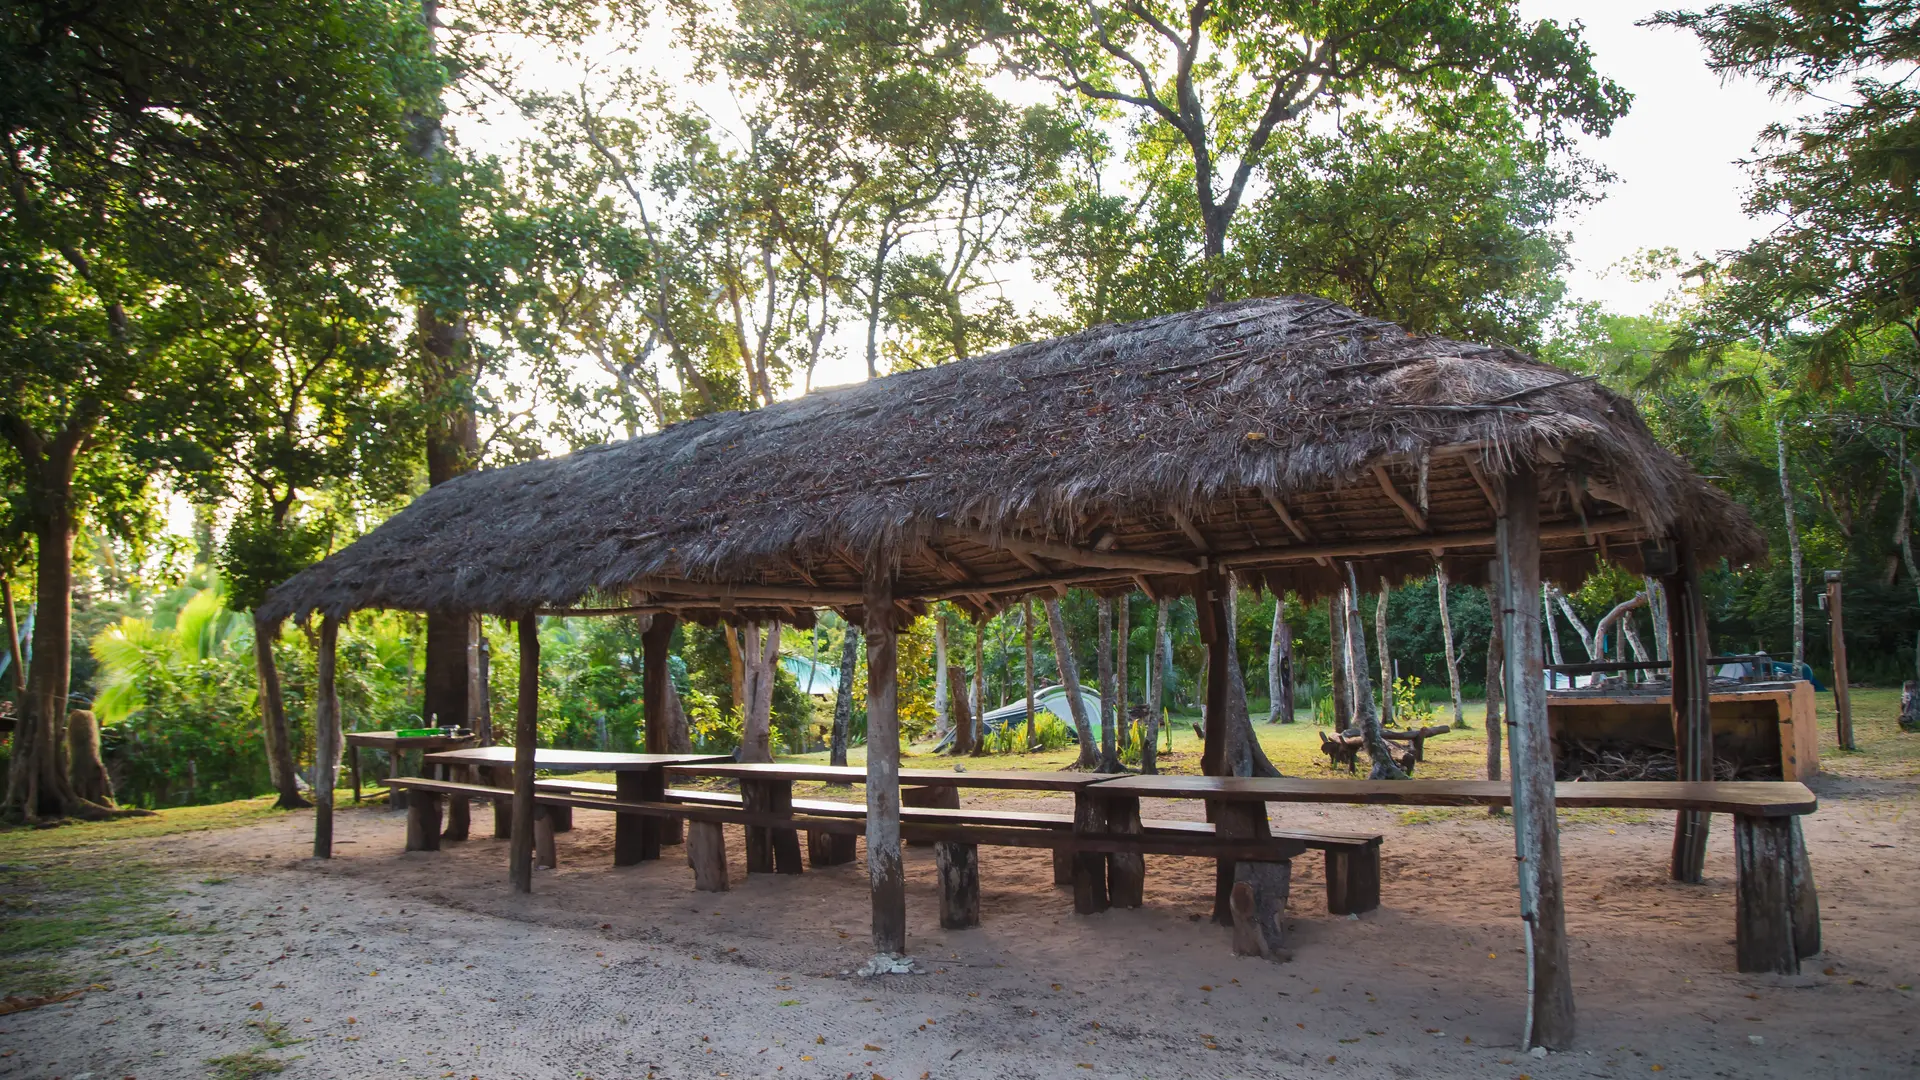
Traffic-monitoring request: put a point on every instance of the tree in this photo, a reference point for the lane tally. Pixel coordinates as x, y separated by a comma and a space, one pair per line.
1070, 681
143, 144
1220, 81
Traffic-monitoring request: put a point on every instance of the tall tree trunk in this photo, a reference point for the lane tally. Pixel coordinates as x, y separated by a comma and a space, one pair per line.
941, 716
1358, 681
1121, 631
1386, 660
87, 771
1156, 693
1109, 740
273, 718
757, 679
1793, 547
1446, 641
1340, 646
961, 714
1496, 683
1027, 619
1587, 643
843, 697
1280, 666
1070, 680
37, 784
1553, 632
479, 708
1657, 602
976, 719
1903, 532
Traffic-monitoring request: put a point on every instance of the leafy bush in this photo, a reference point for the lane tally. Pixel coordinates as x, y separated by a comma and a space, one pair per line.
1410, 709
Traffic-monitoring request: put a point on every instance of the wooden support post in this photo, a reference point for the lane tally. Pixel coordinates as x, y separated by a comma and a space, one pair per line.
1536, 831
1089, 867
1063, 866
707, 852
656, 644
1353, 880
544, 853
1837, 626
423, 821
326, 738
1217, 632
526, 732
1126, 870
885, 873
636, 837
1764, 924
353, 767
931, 796
1692, 717
959, 868
830, 849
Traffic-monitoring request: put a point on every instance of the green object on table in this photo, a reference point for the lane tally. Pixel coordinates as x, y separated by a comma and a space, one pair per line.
417, 732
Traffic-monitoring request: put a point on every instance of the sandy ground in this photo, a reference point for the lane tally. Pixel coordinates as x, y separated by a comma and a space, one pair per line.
389, 964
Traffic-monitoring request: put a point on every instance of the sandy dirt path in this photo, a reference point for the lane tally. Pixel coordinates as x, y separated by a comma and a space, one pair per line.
390, 964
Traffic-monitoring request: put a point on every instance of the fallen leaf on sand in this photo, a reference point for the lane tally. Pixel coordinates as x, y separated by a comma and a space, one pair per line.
869, 1046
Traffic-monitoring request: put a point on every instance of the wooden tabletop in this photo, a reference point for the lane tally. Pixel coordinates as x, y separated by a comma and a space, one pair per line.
567, 760
848, 774
387, 740
1762, 798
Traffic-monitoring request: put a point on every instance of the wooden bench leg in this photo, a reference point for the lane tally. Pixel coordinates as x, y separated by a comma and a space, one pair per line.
423, 821
707, 851
1089, 867
543, 830
1353, 879
562, 818
829, 849
1806, 899
1259, 899
959, 867
1062, 866
1126, 871
670, 831
1763, 854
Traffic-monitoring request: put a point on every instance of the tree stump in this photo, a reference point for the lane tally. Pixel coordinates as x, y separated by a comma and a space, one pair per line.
1259, 902
1353, 879
1126, 871
707, 851
959, 869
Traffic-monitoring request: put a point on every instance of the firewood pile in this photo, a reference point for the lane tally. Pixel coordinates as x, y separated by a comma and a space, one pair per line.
1581, 760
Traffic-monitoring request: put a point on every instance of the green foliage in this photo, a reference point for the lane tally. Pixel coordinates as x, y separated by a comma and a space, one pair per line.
1410, 709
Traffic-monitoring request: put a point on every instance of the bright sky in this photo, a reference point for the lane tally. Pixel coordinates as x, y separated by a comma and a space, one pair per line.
1675, 154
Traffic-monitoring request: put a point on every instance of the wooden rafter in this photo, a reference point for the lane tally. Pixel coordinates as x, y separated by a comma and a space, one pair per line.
1181, 519
1486, 489
1075, 556
1280, 511
1414, 517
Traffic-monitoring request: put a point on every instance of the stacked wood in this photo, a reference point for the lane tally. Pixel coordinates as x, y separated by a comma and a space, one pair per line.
1342, 750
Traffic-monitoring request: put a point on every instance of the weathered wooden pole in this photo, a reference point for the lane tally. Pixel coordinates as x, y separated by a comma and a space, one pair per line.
1446, 641
654, 688
1496, 679
886, 876
1692, 707
326, 737
1842, 706
975, 717
526, 733
1536, 832
1109, 725
1210, 605
1026, 610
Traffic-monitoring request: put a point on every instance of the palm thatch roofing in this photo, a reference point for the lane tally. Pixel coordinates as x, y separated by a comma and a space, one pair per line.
1274, 437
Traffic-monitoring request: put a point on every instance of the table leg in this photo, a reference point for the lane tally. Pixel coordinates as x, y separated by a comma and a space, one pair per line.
959, 869
1764, 924
636, 837
1256, 892
501, 776
353, 766
1089, 867
769, 849
459, 809
1126, 871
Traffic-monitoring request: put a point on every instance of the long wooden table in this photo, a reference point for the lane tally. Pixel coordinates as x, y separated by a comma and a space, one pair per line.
394, 744
1776, 911
769, 787
637, 778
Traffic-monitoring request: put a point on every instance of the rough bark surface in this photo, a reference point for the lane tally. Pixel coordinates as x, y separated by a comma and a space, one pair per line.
88, 772
1109, 712
1446, 641
1070, 679
843, 697
273, 719
1359, 686
1280, 666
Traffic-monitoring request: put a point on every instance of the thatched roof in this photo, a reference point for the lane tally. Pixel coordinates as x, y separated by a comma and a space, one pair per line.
1263, 435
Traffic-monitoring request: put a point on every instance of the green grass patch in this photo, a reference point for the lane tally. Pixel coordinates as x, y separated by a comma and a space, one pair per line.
245, 1065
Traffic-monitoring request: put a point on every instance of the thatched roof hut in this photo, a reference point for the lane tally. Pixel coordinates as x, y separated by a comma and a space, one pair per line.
1270, 436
